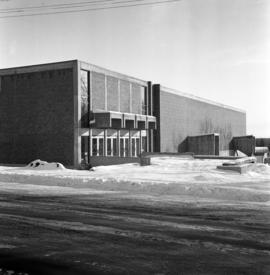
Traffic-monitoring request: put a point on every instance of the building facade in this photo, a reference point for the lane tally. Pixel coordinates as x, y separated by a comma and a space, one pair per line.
181, 115
74, 112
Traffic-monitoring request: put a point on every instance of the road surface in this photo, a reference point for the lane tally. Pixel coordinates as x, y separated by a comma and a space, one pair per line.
122, 233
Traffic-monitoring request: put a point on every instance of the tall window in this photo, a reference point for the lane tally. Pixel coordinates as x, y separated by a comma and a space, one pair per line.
101, 146
122, 148
97, 146
114, 147
126, 147
138, 150
111, 146
94, 147
144, 144
84, 99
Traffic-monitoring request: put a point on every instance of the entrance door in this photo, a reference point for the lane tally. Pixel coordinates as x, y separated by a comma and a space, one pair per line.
85, 149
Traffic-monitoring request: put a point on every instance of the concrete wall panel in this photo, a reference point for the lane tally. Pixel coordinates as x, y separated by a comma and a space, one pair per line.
136, 99
112, 94
124, 96
98, 91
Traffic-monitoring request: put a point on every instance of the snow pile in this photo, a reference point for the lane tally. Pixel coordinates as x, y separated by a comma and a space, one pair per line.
260, 169
166, 176
44, 165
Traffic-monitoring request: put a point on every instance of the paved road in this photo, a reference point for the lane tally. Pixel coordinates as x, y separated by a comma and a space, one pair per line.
123, 233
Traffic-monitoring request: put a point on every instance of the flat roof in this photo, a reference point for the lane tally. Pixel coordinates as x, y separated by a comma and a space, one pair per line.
190, 96
37, 67
69, 64
88, 66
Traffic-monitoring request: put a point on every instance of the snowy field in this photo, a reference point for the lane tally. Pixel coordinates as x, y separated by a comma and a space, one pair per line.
166, 176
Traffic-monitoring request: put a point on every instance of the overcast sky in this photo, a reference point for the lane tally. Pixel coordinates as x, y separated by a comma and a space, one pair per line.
216, 49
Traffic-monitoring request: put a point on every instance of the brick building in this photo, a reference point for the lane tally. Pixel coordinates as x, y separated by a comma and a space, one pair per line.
73, 111
184, 115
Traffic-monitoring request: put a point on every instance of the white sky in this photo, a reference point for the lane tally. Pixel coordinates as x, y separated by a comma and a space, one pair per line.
216, 49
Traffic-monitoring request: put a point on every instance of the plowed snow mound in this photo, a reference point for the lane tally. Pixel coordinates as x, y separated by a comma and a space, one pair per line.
261, 169
44, 165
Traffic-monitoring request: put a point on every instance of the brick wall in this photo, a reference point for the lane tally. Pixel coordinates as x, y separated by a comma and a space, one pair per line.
182, 116
36, 117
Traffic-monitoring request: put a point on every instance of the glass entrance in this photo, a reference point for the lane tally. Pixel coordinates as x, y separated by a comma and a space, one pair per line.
85, 149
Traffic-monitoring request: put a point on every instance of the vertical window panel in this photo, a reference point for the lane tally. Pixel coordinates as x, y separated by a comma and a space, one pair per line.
100, 147
84, 99
122, 149
94, 147
115, 147
109, 146
138, 151
133, 146
126, 147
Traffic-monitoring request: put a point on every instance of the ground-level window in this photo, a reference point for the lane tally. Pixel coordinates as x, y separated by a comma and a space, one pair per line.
122, 147
124, 144
97, 146
114, 149
144, 144
101, 147
135, 146
111, 146
126, 147
138, 151
94, 147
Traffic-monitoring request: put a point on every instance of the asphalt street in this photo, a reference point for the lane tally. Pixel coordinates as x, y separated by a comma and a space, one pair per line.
124, 233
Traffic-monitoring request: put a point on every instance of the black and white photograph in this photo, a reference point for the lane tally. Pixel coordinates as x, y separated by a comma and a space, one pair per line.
134, 137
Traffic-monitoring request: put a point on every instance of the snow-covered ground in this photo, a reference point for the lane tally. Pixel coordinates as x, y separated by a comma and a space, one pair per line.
167, 175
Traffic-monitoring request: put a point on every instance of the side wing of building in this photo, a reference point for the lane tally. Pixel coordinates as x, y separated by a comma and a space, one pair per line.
37, 113
180, 115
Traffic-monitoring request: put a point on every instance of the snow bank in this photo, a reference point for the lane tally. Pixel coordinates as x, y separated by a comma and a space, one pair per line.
166, 176
44, 165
